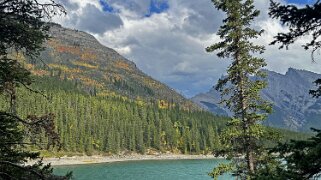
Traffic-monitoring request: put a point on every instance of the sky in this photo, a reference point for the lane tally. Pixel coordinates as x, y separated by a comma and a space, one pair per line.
167, 38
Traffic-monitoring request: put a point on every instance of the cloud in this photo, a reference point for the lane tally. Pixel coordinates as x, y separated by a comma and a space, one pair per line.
96, 21
169, 44
89, 16
68, 4
136, 8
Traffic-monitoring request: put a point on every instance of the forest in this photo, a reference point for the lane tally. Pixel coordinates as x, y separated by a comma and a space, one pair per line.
49, 114
91, 124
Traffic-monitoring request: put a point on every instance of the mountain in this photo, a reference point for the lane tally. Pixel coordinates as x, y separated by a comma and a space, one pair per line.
89, 124
77, 56
103, 104
293, 107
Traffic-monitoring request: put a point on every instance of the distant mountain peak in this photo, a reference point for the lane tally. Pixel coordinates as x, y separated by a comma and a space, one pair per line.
293, 107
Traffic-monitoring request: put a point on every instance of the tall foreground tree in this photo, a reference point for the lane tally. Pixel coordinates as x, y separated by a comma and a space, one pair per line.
296, 159
240, 89
22, 30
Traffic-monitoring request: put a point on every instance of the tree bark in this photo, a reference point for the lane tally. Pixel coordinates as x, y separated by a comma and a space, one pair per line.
247, 148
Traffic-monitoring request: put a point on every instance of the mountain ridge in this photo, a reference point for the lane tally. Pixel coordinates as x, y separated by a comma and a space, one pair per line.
79, 57
293, 107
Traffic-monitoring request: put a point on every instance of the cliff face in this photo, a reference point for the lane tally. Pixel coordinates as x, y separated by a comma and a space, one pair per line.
79, 57
293, 107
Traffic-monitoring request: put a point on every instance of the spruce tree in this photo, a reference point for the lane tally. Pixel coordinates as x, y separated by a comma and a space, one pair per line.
297, 159
22, 30
240, 89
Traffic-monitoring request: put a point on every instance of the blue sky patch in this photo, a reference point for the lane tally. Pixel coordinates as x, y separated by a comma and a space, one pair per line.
157, 7
301, 1
106, 7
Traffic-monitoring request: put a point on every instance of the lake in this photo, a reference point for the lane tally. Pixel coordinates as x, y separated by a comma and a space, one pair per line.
144, 170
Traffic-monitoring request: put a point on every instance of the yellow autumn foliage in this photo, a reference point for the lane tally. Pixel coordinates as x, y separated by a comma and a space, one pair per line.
123, 65
87, 55
90, 82
140, 103
29, 66
39, 72
65, 68
83, 64
151, 83
163, 104
103, 94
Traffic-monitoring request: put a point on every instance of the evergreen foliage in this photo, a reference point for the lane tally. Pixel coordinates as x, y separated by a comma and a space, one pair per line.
301, 21
298, 159
22, 29
14, 152
89, 124
241, 94
113, 125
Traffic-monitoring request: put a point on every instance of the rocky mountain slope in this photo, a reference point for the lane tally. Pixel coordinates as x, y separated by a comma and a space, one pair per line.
293, 107
79, 57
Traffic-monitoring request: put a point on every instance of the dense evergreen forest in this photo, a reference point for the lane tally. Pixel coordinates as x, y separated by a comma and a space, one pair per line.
87, 123
93, 106
91, 124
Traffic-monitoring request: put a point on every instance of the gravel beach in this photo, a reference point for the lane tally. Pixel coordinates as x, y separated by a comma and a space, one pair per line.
116, 158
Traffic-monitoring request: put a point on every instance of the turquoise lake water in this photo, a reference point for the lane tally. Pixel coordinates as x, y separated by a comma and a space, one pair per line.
144, 170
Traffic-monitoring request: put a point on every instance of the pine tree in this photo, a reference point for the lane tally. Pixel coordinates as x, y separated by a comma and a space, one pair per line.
241, 87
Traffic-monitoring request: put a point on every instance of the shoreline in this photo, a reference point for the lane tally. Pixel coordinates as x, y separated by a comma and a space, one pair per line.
97, 159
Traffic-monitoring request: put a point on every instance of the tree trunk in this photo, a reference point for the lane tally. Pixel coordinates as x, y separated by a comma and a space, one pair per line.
250, 159
10, 89
245, 122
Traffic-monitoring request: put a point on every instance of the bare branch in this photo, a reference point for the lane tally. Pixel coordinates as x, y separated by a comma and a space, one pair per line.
21, 120
23, 168
34, 91
7, 175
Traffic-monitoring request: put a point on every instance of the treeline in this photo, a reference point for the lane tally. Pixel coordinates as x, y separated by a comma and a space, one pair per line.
92, 124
